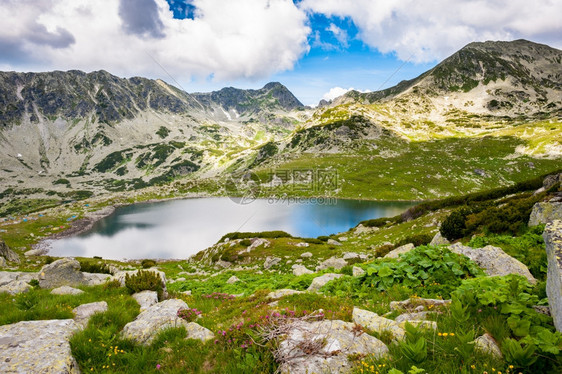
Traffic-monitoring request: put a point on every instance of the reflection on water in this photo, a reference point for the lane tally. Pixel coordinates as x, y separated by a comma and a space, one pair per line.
181, 228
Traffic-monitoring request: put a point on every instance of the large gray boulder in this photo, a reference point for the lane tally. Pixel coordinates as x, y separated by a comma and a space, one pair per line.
153, 320
63, 272
321, 281
14, 282
494, 261
7, 253
395, 253
545, 212
553, 238
324, 347
38, 347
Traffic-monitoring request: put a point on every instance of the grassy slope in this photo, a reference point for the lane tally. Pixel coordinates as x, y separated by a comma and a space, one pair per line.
425, 170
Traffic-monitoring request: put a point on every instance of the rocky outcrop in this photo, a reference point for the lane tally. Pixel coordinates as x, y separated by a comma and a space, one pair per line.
198, 332
332, 262
395, 253
2, 262
494, 261
146, 299
153, 320
324, 347
82, 313
95, 279
63, 272
553, 238
321, 281
7, 253
376, 323
66, 290
299, 270
545, 212
34, 252
38, 347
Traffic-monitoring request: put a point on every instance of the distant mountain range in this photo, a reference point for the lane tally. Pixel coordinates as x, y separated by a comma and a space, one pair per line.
99, 132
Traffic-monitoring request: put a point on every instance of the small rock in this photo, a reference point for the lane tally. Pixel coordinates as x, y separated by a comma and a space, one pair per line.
233, 280
95, 279
82, 313
342, 238
146, 299
319, 282
414, 302
332, 262
66, 290
223, 264
542, 309
376, 323
333, 242
271, 261
438, 239
281, 293
8, 253
306, 255
302, 244
487, 344
34, 252
15, 287
180, 279
418, 316
350, 256
187, 293
400, 250
299, 270
2, 262
153, 320
358, 272
198, 332
419, 324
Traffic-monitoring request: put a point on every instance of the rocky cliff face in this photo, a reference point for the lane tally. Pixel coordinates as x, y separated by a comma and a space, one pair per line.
518, 77
106, 132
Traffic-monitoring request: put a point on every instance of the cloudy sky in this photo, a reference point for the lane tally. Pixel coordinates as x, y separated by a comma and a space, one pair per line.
317, 48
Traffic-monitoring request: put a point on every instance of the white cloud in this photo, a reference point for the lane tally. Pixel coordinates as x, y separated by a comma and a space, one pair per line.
425, 31
226, 39
339, 91
339, 34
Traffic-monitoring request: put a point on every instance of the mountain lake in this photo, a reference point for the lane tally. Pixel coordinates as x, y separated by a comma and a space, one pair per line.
177, 229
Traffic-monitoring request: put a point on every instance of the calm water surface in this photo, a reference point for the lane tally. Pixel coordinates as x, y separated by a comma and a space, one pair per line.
181, 228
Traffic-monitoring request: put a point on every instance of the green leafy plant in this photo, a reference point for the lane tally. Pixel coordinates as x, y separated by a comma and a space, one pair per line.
425, 268
147, 263
414, 347
517, 354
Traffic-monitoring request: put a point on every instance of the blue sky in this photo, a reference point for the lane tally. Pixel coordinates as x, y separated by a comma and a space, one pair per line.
314, 47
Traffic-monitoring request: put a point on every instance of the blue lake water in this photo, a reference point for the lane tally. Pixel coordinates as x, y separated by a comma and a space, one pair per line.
180, 228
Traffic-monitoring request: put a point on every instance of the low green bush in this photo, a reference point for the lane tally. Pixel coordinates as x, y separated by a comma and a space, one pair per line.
144, 280
94, 267
147, 263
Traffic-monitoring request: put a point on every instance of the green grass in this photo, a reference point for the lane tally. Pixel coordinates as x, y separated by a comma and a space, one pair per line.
399, 170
